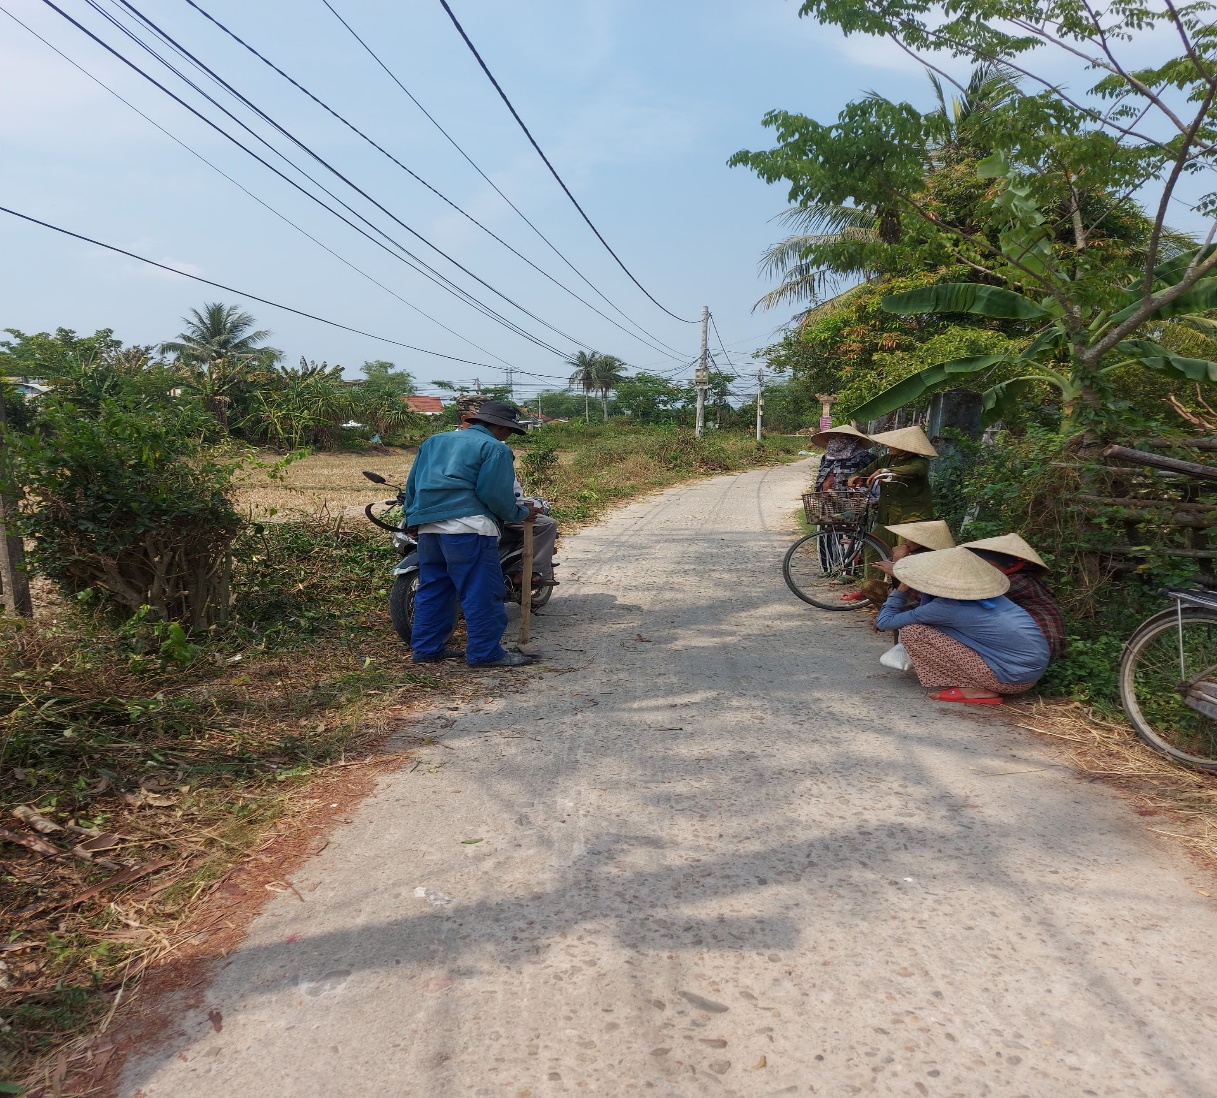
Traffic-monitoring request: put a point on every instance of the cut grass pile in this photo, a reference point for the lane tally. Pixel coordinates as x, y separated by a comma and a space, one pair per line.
1105, 748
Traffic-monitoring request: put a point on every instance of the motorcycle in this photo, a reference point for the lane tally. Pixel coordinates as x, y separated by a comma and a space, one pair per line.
405, 572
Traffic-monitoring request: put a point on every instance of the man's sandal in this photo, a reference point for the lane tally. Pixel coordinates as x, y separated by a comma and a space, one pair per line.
952, 694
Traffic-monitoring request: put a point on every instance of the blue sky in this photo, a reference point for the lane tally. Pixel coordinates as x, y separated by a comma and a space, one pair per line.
638, 105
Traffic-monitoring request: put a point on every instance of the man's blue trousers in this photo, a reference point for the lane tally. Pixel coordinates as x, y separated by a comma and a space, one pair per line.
462, 567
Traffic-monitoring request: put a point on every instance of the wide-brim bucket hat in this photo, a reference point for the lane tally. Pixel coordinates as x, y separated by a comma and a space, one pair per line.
499, 415
932, 534
821, 439
912, 440
1010, 544
951, 574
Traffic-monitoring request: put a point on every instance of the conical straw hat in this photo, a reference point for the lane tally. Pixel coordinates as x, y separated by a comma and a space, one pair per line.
911, 439
821, 439
951, 574
935, 534
1010, 544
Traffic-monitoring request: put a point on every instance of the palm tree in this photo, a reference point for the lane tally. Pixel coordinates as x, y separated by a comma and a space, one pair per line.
610, 372
221, 356
991, 87
218, 332
956, 128
585, 364
804, 282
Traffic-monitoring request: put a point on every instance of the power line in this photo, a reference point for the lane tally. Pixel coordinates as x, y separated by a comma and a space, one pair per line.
494, 186
552, 170
239, 293
443, 280
722, 347
408, 257
409, 171
329, 167
193, 152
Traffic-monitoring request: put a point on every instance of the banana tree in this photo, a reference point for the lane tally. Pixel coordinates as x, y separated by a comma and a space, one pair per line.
1052, 342
1074, 343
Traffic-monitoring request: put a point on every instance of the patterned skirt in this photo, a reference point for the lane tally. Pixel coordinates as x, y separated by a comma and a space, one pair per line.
942, 661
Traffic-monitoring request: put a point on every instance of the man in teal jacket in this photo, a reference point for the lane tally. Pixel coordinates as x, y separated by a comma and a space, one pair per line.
460, 490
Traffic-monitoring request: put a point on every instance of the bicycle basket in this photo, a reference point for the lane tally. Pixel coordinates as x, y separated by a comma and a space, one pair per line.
826, 508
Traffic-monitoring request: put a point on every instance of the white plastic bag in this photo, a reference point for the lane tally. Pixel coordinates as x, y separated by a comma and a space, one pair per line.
896, 658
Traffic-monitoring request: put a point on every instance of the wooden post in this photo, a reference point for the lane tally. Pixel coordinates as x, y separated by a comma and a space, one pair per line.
13, 578
526, 583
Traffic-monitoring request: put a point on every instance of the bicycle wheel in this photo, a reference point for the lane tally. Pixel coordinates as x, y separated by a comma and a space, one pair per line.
1155, 686
820, 567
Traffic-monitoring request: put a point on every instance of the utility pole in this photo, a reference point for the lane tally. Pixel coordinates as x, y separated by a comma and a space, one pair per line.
702, 376
760, 401
13, 578
511, 389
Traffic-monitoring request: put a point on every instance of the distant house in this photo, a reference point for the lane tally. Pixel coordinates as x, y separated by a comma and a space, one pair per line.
429, 406
26, 386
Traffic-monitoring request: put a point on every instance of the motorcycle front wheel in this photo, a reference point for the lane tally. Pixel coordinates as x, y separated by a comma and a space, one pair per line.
401, 604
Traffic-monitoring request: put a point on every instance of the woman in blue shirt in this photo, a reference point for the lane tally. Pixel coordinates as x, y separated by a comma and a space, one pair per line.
968, 642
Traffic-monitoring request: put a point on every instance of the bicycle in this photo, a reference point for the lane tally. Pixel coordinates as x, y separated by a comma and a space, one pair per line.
818, 567
1168, 679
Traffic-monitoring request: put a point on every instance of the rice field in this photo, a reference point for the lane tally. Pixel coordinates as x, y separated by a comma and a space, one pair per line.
323, 484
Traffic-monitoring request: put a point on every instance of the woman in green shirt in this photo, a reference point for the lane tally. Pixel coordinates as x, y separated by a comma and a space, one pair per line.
904, 487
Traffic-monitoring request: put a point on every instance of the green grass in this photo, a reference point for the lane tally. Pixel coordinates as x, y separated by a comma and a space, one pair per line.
604, 465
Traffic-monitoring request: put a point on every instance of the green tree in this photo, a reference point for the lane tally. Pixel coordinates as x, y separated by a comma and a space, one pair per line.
840, 243
1058, 224
387, 379
557, 404
42, 356
299, 406
124, 494
649, 398
1061, 354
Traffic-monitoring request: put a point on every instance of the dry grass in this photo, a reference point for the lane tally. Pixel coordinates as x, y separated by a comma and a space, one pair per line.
1109, 751
322, 484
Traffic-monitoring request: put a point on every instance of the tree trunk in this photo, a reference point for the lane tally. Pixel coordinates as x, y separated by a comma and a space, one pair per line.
587, 418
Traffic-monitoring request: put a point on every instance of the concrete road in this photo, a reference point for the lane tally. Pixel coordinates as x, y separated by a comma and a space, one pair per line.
724, 852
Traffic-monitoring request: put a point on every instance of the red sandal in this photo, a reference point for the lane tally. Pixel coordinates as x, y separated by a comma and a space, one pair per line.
853, 596
952, 694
